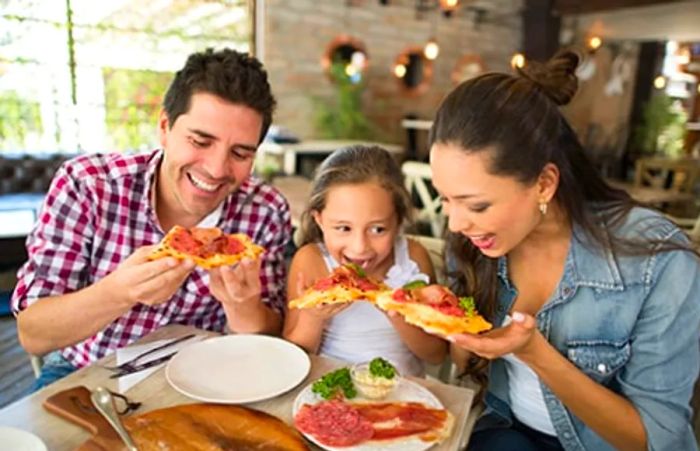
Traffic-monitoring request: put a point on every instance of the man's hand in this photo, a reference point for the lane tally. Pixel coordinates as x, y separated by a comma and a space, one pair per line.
139, 280
238, 285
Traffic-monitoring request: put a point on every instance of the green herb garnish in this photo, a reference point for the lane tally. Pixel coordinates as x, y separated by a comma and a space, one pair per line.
415, 284
467, 304
379, 367
327, 387
357, 268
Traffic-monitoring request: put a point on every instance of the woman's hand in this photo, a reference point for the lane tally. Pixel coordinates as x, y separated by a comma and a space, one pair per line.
237, 285
518, 338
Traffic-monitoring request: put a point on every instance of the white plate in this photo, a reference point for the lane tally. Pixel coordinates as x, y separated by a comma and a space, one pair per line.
406, 390
19, 440
237, 368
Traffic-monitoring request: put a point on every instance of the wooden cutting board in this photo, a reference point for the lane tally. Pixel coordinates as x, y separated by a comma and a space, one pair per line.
184, 427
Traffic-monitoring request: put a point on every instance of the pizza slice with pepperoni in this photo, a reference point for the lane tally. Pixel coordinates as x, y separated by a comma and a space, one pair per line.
434, 308
207, 247
347, 283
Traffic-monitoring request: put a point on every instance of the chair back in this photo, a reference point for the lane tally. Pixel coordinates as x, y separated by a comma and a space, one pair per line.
678, 175
418, 178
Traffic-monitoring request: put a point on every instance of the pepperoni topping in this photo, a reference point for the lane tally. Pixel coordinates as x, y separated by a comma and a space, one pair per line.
400, 295
184, 242
334, 423
346, 277
234, 246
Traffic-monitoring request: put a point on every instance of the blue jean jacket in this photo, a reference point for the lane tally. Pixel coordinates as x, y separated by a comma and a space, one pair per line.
630, 323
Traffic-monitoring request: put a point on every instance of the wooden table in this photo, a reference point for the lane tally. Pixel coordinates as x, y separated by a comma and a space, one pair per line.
155, 392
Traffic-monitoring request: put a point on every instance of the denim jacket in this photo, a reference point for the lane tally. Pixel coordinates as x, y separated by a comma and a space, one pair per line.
629, 323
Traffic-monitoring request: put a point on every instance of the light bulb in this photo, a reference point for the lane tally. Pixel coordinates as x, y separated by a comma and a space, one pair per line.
400, 70
431, 50
518, 60
595, 42
660, 82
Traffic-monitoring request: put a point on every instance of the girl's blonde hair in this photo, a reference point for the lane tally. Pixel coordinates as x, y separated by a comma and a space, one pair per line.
349, 166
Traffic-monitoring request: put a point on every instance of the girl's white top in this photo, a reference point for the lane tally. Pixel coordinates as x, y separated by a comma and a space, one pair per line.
362, 332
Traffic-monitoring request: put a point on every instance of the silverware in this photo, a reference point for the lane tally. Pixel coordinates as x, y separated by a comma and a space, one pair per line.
130, 366
136, 368
102, 400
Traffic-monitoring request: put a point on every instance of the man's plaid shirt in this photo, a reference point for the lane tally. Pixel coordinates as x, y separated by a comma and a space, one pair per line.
97, 212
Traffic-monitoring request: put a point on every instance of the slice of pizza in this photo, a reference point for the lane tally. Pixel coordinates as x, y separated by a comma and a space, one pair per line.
434, 308
342, 423
207, 247
347, 283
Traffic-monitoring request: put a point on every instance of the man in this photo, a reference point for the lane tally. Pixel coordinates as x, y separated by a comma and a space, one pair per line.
88, 286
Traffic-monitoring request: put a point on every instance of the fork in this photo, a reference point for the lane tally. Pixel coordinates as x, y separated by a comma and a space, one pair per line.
131, 366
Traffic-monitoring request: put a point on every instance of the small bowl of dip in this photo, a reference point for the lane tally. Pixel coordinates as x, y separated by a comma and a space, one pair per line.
372, 386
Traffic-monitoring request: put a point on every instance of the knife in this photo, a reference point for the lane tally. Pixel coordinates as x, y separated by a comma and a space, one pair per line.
143, 366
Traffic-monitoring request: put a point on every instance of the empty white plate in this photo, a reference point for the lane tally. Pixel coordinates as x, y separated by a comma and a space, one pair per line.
19, 440
237, 369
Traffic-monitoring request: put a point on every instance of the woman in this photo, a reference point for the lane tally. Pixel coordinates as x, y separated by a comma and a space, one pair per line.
598, 298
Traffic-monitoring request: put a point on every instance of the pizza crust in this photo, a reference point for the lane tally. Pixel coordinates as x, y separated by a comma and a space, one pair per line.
431, 320
334, 295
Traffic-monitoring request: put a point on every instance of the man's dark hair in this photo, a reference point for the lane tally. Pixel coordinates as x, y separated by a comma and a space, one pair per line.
234, 76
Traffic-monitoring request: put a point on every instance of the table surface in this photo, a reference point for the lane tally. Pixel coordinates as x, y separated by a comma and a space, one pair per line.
155, 392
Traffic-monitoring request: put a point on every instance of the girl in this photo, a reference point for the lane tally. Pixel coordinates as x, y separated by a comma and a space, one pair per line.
357, 207
598, 298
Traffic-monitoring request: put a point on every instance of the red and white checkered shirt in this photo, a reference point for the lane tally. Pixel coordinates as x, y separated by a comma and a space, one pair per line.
98, 211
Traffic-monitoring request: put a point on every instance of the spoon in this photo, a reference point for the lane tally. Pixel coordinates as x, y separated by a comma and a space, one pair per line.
102, 400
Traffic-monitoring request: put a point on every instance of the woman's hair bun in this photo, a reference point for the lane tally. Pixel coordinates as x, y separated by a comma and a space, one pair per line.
556, 77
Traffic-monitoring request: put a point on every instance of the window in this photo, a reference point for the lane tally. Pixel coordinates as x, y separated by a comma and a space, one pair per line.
82, 75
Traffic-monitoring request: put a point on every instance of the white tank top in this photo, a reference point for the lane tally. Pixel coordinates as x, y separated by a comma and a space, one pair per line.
362, 332
526, 398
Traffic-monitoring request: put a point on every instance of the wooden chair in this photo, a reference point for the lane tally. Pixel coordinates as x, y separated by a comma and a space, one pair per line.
417, 178
679, 175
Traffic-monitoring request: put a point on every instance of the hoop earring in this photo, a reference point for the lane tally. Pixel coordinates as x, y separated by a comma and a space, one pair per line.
543, 208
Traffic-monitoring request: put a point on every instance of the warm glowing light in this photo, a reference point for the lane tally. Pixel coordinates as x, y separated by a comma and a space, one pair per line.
518, 60
449, 4
698, 89
400, 70
660, 82
350, 70
595, 42
431, 50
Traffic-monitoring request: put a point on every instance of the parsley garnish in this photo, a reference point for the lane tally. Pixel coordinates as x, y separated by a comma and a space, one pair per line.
381, 368
357, 268
415, 284
467, 304
327, 387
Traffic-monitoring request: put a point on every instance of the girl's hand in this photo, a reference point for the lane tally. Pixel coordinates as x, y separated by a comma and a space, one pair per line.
326, 312
320, 312
238, 285
517, 338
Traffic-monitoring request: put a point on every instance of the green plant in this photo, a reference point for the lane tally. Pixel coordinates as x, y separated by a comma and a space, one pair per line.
343, 117
662, 127
19, 117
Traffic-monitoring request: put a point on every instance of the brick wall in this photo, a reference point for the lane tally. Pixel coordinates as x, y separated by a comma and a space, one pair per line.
297, 33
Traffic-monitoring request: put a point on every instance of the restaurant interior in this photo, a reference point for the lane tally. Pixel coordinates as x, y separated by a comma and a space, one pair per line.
80, 76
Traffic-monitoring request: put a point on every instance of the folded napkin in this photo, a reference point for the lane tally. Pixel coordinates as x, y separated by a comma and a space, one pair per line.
126, 354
